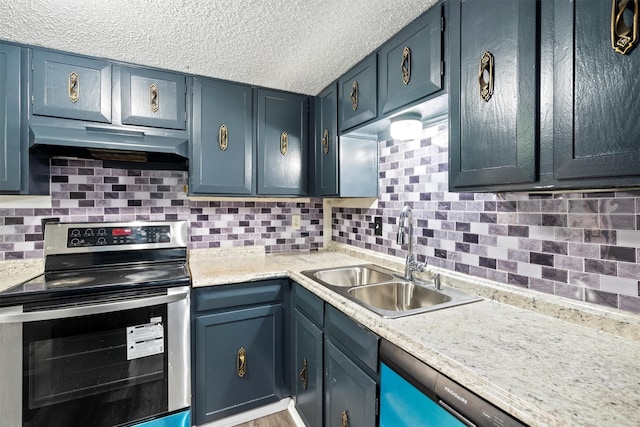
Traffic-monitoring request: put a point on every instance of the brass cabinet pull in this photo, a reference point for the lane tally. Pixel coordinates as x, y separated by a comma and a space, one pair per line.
345, 419
223, 137
325, 141
304, 375
405, 65
241, 363
284, 143
623, 36
74, 87
354, 95
154, 95
486, 66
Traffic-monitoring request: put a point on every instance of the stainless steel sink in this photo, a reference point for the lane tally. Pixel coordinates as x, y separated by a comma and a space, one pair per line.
399, 296
352, 276
386, 293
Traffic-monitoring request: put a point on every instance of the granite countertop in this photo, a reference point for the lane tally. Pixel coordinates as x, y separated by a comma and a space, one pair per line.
546, 360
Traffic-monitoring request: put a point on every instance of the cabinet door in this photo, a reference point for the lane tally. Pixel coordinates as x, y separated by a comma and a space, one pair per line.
358, 94
222, 145
10, 118
282, 143
411, 62
596, 94
307, 359
350, 394
238, 361
153, 98
493, 139
326, 143
71, 87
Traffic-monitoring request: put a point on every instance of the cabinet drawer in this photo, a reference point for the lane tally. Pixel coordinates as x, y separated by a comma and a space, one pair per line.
357, 94
229, 296
71, 87
153, 98
353, 337
309, 304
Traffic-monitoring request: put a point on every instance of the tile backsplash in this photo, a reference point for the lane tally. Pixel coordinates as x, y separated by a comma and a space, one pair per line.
83, 190
584, 246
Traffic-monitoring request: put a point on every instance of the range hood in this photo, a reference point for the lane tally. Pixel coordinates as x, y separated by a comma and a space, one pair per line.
116, 147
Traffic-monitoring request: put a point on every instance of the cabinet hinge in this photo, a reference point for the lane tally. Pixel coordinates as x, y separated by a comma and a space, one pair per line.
442, 23
377, 406
442, 68
31, 99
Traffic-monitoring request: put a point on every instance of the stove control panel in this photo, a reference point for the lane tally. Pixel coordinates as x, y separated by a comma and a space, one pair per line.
110, 236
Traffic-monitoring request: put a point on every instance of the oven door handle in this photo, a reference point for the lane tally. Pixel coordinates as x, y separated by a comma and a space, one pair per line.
16, 315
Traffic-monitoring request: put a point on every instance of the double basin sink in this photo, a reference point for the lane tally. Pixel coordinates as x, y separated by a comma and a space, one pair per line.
386, 293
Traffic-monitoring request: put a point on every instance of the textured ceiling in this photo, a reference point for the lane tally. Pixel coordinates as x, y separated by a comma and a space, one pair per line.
295, 45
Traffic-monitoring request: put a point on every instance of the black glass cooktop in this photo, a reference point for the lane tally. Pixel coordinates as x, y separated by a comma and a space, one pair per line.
101, 279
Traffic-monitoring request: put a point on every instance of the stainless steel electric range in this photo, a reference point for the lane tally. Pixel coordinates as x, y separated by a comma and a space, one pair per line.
101, 338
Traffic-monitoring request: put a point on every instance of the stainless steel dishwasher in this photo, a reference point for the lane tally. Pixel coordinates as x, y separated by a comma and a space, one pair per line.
414, 394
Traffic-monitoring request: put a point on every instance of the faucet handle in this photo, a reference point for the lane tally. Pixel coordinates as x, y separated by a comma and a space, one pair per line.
417, 266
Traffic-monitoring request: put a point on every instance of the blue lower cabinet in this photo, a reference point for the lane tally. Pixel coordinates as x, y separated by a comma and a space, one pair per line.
180, 419
240, 348
350, 393
237, 361
307, 387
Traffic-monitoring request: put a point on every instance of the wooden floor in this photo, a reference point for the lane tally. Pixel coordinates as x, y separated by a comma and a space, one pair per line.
280, 419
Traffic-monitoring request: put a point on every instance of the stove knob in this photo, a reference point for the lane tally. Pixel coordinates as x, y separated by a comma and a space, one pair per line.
88, 232
102, 232
75, 242
102, 241
75, 233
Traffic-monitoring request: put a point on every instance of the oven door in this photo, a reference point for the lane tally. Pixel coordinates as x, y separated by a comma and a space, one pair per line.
97, 363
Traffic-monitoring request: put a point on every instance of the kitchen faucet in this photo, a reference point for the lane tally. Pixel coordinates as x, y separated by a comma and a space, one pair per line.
411, 265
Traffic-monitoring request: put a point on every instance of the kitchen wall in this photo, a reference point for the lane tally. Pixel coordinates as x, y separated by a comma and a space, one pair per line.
583, 246
83, 190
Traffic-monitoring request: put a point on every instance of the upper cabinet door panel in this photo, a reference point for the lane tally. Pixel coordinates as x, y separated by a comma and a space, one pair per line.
153, 98
222, 144
493, 112
282, 143
358, 91
326, 143
71, 87
596, 94
10, 119
410, 63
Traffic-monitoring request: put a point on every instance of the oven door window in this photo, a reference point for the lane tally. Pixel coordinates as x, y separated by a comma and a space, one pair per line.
99, 370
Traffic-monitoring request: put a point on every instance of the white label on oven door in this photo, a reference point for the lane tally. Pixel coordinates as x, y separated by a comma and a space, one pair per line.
145, 340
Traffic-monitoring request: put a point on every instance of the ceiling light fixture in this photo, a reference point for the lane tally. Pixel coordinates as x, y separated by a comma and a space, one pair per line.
406, 126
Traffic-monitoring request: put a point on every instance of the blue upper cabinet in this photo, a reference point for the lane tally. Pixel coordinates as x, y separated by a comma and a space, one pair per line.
71, 87
222, 143
493, 102
325, 151
411, 63
596, 95
357, 94
283, 122
153, 98
10, 118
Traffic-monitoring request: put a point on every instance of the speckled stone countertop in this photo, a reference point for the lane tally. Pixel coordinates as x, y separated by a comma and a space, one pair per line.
546, 360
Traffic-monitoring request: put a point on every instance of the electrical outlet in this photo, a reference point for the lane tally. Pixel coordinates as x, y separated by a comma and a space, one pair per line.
295, 222
377, 225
